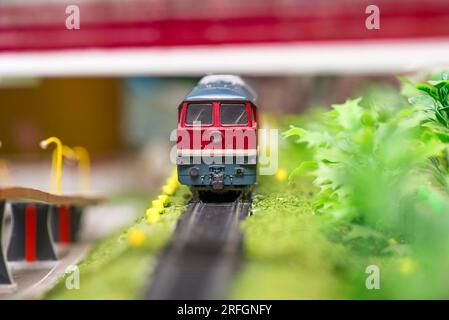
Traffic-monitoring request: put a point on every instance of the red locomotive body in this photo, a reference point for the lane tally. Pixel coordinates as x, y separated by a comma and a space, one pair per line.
217, 135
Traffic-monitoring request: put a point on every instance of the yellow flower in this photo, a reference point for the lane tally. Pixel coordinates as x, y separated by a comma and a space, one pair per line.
281, 175
157, 204
153, 215
168, 190
407, 266
163, 198
173, 182
392, 242
136, 237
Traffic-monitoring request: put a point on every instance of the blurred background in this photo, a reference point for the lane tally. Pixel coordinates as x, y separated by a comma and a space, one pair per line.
109, 74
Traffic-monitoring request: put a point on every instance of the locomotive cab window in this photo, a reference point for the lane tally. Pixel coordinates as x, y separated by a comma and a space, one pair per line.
199, 113
233, 114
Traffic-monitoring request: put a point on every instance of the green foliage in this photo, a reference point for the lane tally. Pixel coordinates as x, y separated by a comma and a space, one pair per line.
433, 97
382, 174
353, 149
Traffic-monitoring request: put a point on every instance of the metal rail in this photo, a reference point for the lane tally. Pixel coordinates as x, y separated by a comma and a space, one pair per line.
204, 253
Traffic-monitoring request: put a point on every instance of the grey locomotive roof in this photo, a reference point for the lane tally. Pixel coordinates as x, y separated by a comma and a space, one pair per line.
222, 87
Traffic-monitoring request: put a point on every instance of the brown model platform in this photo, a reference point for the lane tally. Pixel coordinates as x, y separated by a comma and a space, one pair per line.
24, 193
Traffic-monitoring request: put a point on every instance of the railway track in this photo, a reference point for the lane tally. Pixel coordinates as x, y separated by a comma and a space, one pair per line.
203, 254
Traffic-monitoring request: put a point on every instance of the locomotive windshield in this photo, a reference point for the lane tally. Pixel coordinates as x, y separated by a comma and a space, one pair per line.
199, 113
233, 114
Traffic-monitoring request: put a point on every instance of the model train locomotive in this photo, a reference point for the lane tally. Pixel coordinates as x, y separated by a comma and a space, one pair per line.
217, 135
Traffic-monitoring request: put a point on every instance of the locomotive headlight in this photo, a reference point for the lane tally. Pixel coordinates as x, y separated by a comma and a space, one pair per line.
239, 172
194, 172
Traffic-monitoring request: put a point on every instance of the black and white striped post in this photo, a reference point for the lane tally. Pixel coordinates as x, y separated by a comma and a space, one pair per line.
31, 240
5, 276
66, 223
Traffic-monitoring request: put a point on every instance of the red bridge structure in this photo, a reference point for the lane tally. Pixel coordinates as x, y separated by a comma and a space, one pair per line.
160, 23
178, 36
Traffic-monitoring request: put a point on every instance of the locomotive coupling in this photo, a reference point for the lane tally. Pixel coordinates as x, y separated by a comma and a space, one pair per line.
218, 181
